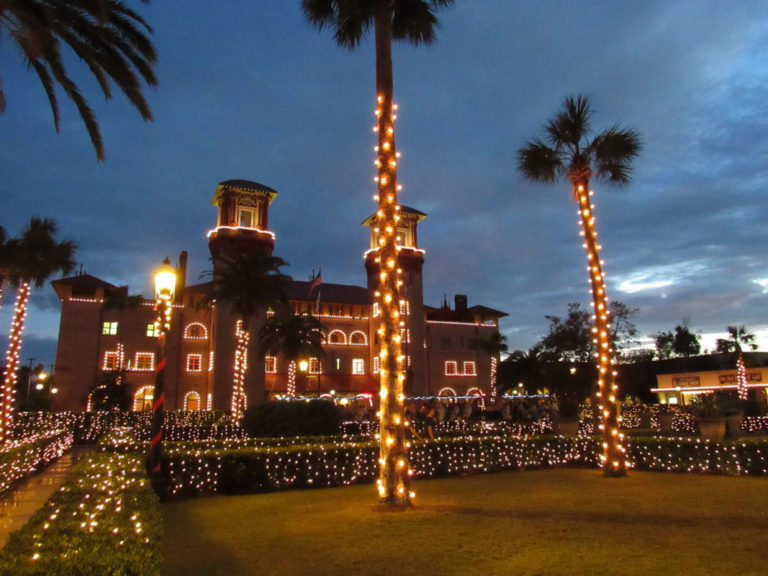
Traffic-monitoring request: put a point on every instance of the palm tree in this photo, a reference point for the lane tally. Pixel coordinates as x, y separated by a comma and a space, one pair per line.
413, 21
293, 336
106, 35
249, 283
738, 336
570, 153
32, 259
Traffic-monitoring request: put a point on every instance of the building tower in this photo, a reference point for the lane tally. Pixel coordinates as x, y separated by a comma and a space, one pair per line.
410, 261
242, 226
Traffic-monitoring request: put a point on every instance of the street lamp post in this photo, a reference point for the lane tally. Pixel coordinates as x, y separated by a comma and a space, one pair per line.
165, 288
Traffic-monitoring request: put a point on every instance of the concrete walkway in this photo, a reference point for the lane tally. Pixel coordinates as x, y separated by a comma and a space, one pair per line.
18, 505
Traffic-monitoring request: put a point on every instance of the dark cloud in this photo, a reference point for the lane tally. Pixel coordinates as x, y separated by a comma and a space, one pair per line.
248, 90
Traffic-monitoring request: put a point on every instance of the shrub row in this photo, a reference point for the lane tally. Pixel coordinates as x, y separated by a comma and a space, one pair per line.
195, 470
26, 456
105, 520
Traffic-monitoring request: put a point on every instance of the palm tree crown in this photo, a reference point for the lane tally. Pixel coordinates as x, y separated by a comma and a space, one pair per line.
249, 282
36, 255
413, 21
570, 153
106, 35
294, 336
738, 336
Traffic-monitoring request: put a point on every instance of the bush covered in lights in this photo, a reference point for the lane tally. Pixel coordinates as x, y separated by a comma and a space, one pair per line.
105, 519
279, 419
22, 457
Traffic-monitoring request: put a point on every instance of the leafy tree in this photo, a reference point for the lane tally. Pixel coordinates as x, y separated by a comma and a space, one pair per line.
570, 152
249, 283
32, 259
738, 338
524, 367
664, 342
682, 342
685, 343
111, 392
294, 336
415, 22
571, 338
106, 35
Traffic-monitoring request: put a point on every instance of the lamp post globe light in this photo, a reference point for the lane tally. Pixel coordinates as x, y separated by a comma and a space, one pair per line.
165, 289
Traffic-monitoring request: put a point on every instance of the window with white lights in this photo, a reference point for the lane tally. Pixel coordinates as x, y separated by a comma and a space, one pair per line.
376, 364
451, 368
358, 338
192, 401
470, 369
315, 366
337, 337
153, 331
405, 335
405, 308
270, 365
145, 361
358, 366
142, 401
195, 331
109, 328
194, 362
111, 360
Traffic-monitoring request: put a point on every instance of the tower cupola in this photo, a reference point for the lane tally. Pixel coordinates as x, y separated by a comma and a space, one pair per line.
243, 218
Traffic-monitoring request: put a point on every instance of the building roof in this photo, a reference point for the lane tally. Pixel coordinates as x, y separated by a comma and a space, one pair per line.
445, 314
83, 282
243, 186
306, 292
404, 211
334, 293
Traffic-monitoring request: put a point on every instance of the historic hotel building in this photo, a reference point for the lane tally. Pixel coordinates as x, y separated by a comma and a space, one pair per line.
104, 330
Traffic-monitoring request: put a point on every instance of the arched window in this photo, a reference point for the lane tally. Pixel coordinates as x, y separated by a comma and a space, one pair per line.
447, 392
358, 338
195, 331
142, 400
337, 337
192, 401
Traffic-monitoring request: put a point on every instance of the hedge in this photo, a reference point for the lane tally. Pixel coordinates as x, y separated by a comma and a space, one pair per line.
26, 456
105, 520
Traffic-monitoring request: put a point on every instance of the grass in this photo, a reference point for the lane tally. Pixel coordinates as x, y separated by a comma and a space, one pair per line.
545, 522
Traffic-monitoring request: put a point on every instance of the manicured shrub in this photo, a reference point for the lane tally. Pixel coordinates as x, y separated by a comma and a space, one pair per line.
276, 419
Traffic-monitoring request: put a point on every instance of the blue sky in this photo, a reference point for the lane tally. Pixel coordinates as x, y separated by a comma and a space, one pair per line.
248, 90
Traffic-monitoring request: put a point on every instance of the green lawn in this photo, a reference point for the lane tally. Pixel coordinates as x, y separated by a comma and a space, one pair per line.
544, 522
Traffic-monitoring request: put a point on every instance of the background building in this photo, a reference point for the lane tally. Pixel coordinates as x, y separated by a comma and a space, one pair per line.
105, 332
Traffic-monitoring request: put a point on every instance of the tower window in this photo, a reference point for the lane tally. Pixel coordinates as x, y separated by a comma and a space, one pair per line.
358, 366
194, 362
247, 218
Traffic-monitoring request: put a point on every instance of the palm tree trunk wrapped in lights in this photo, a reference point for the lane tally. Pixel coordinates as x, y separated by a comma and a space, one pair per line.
12, 361
570, 153
30, 259
413, 21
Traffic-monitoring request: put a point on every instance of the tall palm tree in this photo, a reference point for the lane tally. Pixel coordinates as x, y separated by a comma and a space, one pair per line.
570, 152
106, 35
32, 259
249, 283
294, 336
415, 22
738, 336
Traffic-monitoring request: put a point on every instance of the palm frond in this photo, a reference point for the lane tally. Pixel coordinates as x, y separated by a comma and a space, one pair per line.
613, 151
538, 162
567, 130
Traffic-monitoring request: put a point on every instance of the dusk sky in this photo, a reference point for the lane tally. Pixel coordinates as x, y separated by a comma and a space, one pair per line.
248, 90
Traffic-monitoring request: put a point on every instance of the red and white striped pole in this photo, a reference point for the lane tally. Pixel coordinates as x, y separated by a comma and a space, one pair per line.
165, 287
